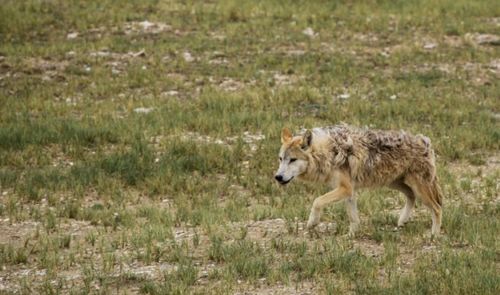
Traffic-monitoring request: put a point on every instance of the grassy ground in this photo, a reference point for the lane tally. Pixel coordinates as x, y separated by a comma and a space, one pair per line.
138, 140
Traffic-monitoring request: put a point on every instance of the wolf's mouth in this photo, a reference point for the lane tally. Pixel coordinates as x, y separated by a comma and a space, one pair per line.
283, 182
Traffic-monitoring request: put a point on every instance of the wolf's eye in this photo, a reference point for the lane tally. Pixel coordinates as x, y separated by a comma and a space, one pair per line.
281, 159
293, 160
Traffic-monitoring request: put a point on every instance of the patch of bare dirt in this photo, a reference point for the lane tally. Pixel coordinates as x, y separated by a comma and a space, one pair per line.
476, 73
303, 288
132, 28
40, 65
490, 167
227, 83
17, 233
10, 282
251, 139
264, 231
49, 69
297, 49
483, 39
465, 172
5, 68
219, 36
118, 62
282, 79
369, 37
368, 247
218, 58
120, 56
453, 41
169, 93
494, 66
231, 85
145, 27
26, 234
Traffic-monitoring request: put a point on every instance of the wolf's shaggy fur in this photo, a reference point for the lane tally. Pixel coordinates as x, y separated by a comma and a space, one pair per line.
348, 158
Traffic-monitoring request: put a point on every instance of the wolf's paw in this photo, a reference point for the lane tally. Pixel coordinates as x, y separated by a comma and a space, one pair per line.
313, 221
313, 218
436, 236
433, 239
353, 229
401, 223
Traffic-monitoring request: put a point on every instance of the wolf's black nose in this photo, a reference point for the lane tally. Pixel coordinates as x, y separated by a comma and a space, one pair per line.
279, 178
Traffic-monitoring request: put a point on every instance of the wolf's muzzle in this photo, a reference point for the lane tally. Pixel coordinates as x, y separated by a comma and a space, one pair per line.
280, 179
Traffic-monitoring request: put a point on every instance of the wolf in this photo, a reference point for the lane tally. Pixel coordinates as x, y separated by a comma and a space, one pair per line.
347, 158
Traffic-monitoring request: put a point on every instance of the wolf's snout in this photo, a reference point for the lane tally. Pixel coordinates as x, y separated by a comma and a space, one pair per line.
281, 180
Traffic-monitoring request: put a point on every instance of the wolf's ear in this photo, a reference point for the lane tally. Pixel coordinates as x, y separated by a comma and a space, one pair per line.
306, 140
286, 135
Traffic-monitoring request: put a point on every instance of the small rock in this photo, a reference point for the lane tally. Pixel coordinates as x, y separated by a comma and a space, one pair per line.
495, 116
430, 46
494, 66
143, 110
344, 96
70, 101
326, 227
309, 32
488, 39
170, 93
100, 54
146, 24
393, 97
140, 53
146, 27
187, 56
71, 36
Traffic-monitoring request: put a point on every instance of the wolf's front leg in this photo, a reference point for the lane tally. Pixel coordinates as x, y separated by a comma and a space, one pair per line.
314, 217
343, 191
352, 212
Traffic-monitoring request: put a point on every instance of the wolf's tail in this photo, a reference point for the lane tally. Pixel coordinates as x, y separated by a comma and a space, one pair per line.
437, 193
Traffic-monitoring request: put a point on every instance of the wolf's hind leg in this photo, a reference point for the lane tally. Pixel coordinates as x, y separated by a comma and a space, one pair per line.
410, 201
431, 196
352, 212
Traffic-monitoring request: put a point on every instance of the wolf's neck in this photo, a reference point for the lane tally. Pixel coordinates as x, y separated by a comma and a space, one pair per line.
320, 168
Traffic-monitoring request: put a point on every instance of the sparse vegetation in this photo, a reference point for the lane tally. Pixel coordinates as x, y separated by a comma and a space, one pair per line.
138, 140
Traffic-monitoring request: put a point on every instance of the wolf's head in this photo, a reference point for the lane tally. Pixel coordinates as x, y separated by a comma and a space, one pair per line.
293, 155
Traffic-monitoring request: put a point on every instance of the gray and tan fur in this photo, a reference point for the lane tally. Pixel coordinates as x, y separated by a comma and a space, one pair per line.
348, 158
